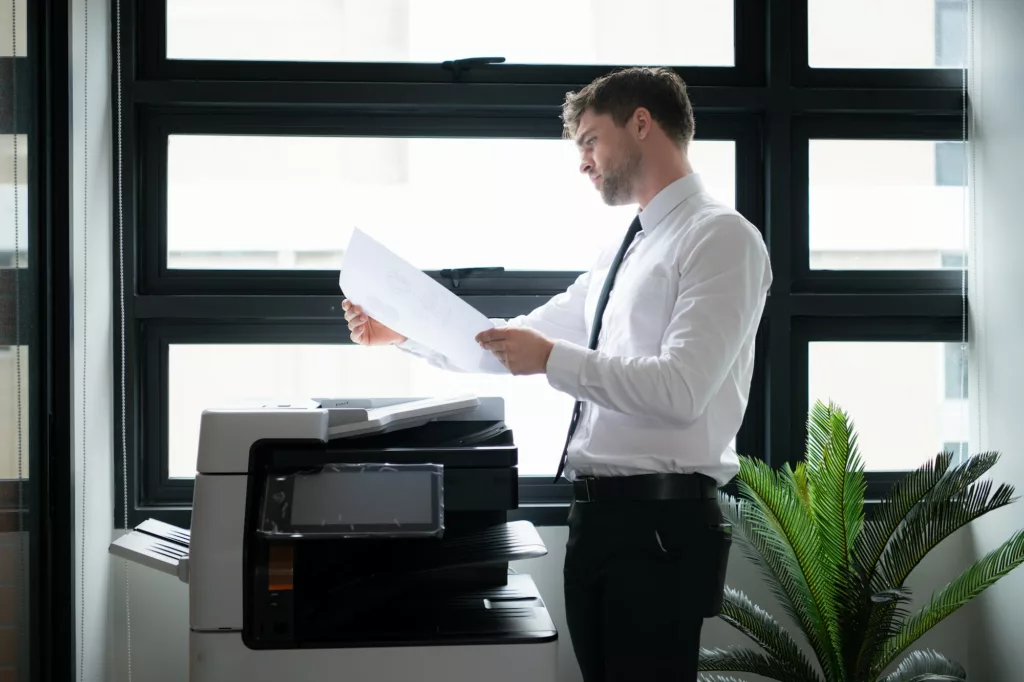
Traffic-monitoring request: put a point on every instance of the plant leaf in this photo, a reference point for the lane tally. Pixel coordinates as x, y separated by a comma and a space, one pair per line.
836, 483
764, 556
777, 518
975, 579
927, 666
904, 495
741, 660
704, 677
767, 633
800, 476
886, 613
956, 500
937, 493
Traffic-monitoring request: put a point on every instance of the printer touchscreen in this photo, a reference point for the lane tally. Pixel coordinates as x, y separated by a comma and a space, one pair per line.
353, 500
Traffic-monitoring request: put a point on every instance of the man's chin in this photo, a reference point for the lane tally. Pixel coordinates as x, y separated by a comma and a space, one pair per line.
614, 199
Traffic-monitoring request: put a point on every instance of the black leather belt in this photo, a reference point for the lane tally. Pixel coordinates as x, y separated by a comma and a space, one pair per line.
645, 487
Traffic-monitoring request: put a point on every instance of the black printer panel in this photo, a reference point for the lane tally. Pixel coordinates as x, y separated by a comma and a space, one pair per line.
307, 590
365, 592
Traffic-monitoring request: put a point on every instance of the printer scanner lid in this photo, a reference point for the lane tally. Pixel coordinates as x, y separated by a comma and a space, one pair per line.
346, 417
227, 435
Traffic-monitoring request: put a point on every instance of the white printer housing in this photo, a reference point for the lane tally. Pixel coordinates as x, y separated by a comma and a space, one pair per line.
455, 436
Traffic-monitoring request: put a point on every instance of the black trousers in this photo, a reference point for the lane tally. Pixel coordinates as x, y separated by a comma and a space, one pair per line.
639, 578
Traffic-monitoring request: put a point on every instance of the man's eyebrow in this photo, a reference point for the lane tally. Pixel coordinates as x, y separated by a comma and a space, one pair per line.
582, 135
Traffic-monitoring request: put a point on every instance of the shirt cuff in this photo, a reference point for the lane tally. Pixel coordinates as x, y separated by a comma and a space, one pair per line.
411, 346
565, 367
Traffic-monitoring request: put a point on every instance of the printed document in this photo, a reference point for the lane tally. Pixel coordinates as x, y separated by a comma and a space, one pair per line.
402, 297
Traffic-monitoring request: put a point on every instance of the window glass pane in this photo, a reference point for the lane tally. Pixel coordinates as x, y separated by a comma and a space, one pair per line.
897, 395
205, 376
292, 202
886, 204
690, 32
880, 34
14, 196
17, 297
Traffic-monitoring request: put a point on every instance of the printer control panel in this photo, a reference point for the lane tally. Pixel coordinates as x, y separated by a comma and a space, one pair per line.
355, 500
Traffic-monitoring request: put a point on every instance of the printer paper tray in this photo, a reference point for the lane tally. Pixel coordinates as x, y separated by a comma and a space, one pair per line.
509, 542
496, 545
157, 545
382, 565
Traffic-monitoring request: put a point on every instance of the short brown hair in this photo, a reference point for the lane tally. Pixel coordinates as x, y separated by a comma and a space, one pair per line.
619, 93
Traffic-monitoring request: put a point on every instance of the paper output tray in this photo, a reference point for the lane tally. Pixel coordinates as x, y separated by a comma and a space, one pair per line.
495, 545
157, 545
379, 564
508, 542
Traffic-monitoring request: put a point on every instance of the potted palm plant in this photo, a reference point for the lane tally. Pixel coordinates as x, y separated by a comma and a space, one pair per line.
839, 577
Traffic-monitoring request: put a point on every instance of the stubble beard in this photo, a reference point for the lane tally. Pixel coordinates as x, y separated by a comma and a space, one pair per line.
617, 188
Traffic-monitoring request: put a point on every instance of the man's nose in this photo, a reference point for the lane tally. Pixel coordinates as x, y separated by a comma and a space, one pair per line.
585, 166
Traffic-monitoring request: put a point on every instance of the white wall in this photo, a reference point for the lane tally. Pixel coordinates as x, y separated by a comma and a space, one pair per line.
998, 313
91, 214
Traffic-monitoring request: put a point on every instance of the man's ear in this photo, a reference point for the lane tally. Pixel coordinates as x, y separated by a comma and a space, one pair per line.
642, 122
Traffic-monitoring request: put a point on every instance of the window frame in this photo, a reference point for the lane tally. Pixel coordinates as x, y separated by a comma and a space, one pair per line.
770, 102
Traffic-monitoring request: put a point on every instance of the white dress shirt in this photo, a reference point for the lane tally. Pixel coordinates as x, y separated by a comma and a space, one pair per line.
668, 386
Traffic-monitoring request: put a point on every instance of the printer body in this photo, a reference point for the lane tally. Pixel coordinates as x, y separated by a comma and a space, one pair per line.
365, 540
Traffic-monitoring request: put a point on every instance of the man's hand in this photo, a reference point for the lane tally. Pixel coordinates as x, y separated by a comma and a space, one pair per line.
367, 331
522, 351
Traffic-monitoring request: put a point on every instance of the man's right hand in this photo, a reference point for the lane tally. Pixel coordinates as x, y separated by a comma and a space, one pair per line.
367, 331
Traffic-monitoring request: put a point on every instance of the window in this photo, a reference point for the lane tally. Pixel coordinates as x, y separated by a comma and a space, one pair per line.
958, 448
950, 164
950, 32
569, 32
884, 204
893, 392
956, 260
250, 160
878, 34
432, 200
955, 371
212, 375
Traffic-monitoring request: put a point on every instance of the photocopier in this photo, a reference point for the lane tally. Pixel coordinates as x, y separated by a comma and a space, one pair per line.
363, 540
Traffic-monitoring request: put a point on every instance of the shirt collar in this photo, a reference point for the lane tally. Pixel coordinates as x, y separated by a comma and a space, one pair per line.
667, 199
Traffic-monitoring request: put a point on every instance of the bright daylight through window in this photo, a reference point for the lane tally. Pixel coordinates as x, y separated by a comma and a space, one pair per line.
439, 203
692, 32
835, 127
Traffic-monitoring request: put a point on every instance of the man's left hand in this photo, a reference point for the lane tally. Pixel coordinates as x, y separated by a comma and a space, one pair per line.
522, 351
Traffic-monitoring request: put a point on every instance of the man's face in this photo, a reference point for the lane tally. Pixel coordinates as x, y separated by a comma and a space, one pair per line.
610, 156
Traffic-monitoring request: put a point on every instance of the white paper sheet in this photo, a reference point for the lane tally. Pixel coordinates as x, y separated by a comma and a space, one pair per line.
402, 297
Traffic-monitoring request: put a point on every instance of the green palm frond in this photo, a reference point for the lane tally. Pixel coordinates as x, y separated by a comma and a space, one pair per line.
767, 633
740, 660
836, 483
978, 577
927, 666
841, 577
876, 623
718, 678
777, 517
800, 477
763, 554
888, 557
905, 494
935, 519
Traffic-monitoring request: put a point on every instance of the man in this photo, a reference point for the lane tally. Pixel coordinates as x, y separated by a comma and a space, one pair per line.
661, 383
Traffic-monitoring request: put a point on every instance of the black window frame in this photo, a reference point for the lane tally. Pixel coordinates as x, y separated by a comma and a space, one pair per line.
771, 103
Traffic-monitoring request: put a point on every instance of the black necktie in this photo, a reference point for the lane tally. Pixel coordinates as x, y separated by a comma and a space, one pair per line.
595, 331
